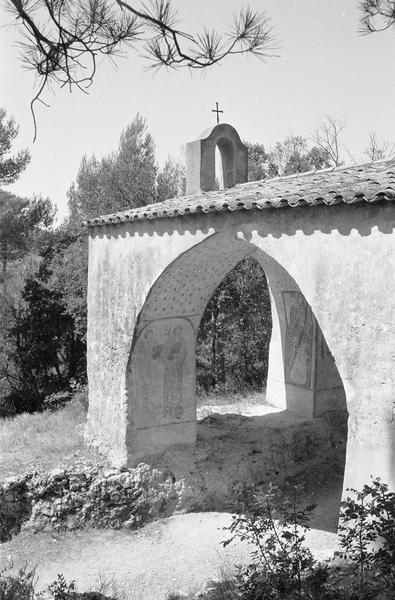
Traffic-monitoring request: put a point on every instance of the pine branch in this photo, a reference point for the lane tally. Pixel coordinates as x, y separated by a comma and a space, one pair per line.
61, 39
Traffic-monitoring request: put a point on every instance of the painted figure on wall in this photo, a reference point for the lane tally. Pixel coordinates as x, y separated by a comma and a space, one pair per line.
145, 362
174, 359
298, 339
161, 373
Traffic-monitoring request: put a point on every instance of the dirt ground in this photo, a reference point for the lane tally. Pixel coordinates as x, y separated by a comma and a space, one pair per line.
178, 554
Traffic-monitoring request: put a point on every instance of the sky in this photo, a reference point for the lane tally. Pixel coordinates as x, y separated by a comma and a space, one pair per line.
323, 66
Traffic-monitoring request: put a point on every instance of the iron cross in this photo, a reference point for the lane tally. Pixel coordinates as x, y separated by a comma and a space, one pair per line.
216, 110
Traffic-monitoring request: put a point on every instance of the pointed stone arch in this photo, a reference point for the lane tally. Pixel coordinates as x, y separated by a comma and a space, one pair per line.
160, 377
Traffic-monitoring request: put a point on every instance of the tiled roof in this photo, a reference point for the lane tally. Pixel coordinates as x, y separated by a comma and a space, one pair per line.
359, 183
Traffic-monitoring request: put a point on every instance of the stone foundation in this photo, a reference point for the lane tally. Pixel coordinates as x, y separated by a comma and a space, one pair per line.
230, 449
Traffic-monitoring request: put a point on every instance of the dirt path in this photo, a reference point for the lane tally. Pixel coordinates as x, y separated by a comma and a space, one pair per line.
177, 554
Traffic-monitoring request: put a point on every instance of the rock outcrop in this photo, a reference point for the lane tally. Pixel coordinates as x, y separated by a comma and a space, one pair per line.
230, 449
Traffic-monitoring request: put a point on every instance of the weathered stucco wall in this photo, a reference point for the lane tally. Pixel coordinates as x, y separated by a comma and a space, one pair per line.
122, 267
340, 258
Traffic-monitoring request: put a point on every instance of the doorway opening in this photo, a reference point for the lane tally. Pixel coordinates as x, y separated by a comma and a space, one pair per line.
232, 348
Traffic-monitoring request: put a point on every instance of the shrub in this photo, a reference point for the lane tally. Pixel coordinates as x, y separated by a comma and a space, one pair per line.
282, 565
77, 392
56, 400
367, 539
18, 586
283, 568
60, 589
7, 408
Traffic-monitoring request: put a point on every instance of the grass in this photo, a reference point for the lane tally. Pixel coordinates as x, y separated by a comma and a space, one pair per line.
238, 399
23, 584
45, 440
109, 586
224, 588
237, 403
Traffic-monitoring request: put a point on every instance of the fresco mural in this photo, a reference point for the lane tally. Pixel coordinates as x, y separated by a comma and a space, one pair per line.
163, 393
299, 334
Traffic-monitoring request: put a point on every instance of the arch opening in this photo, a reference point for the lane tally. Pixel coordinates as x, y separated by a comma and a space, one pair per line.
303, 383
225, 162
233, 338
219, 173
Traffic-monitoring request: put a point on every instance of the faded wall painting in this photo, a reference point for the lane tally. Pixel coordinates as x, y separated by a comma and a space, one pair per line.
299, 333
162, 373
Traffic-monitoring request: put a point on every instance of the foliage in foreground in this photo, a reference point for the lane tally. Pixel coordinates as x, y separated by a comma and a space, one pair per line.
18, 586
283, 567
22, 586
63, 41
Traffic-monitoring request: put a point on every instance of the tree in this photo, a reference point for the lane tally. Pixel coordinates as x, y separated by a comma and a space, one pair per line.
257, 161
294, 155
10, 166
377, 150
318, 158
327, 136
62, 40
11, 307
135, 166
69, 278
20, 218
170, 182
41, 351
124, 179
377, 15
46, 353
234, 333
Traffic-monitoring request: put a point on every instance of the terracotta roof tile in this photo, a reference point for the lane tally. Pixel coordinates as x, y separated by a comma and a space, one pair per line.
369, 183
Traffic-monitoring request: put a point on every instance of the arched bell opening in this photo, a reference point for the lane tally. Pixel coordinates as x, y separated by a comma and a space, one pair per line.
219, 172
225, 163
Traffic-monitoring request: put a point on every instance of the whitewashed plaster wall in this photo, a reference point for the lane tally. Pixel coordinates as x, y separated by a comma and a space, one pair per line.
342, 260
